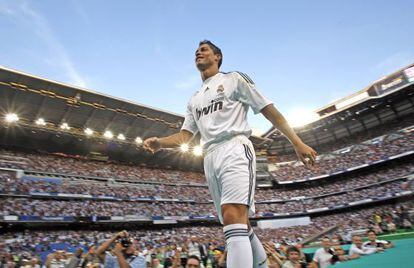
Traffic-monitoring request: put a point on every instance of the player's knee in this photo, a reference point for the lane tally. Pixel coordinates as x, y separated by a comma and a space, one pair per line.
234, 213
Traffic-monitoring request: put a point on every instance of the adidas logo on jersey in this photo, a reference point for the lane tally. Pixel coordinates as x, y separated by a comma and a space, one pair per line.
216, 105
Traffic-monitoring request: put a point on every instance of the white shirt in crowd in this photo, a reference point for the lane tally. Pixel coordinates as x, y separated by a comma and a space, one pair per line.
378, 243
361, 251
219, 109
322, 257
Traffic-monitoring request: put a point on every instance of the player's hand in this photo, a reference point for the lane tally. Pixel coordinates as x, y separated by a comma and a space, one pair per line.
306, 154
152, 144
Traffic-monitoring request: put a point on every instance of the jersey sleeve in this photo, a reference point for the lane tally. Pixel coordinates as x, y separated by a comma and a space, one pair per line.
247, 93
189, 121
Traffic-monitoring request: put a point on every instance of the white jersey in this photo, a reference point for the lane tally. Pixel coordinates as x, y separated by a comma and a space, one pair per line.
219, 109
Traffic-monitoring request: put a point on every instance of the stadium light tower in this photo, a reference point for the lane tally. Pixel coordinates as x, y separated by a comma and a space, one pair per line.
198, 151
88, 131
11, 118
40, 122
184, 147
108, 134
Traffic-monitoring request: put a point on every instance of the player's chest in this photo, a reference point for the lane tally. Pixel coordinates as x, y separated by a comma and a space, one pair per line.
214, 92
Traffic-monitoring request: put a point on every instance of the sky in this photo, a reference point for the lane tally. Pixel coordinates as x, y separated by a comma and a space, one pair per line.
302, 55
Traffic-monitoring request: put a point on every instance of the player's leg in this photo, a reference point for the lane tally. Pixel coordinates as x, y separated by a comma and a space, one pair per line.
239, 250
259, 253
234, 216
237, 181
244, 170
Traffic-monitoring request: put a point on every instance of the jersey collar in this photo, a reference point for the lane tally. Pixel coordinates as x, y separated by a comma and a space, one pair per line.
205, 82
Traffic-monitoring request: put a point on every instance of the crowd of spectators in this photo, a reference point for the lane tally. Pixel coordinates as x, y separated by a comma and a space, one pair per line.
101, 188
83, 208
348, 183
205, 242
67, 207
170, 245
81, 166
385, 190
392, 144
356, 138
10, 184
358, 155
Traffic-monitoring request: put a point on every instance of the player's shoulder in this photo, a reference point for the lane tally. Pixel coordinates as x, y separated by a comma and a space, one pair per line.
240, 76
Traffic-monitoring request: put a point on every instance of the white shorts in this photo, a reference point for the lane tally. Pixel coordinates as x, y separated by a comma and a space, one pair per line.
230, 169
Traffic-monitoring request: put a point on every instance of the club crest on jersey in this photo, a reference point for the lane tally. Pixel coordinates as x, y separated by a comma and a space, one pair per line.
215, 105
220, 89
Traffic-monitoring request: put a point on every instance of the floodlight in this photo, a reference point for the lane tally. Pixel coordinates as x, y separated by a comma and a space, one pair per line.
198, 151
300, 117
40, 122
121, 137
11, 118
65, 126
184, 147
88, 131
108, 134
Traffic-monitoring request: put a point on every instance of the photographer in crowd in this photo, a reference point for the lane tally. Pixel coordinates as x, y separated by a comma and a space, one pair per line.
123, 254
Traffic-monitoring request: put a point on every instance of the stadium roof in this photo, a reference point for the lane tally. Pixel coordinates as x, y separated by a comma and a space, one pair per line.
31, 98
385, 100
56, 103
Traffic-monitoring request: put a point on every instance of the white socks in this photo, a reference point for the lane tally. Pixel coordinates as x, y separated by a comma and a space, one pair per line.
239, 249
259, 253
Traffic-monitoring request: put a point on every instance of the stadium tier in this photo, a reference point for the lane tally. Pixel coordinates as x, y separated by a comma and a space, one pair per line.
65, 182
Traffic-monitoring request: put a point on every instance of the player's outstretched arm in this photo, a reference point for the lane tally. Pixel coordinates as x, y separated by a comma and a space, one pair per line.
305, 153
154, 144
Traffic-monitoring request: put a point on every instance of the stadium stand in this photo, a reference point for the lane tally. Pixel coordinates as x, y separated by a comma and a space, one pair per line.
61, 190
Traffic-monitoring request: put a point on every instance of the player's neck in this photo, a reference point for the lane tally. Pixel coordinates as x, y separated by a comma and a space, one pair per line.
206, 74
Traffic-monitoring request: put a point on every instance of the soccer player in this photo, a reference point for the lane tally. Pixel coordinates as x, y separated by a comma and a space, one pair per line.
218, 111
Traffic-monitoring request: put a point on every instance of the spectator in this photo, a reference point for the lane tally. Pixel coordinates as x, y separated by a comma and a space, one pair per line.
373, 242
57, 259
358, 249
123, 254
324, 256
293, 258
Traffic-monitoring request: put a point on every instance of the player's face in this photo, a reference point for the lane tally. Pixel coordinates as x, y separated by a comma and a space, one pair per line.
205, 57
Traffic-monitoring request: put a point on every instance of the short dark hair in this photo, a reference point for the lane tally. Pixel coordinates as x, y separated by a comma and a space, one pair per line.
292, 249
371, 231
215, 49
194, 257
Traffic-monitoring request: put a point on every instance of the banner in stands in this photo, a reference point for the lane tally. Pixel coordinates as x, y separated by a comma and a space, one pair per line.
168, 221
409, 74
10, 218
390, 83
136, 218
273, 224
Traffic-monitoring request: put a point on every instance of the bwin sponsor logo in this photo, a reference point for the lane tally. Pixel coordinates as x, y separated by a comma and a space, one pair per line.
214, 106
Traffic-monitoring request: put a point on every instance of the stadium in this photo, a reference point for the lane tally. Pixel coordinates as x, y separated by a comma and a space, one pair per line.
73, 173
